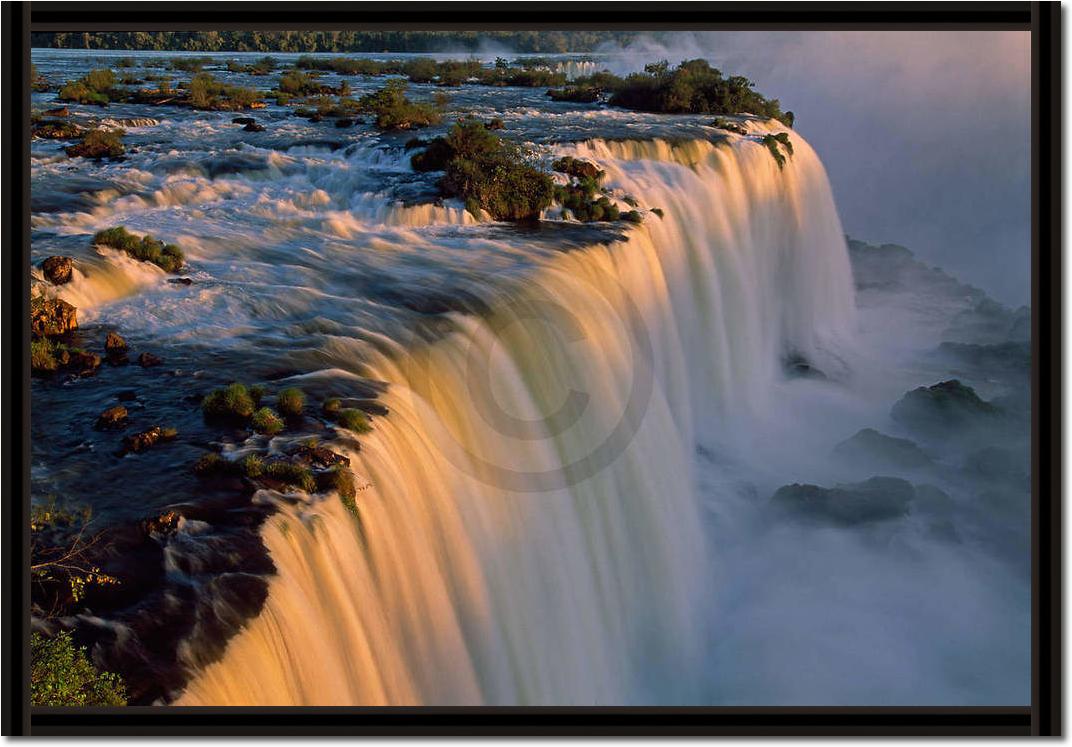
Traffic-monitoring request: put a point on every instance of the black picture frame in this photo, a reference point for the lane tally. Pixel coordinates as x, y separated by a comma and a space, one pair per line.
1042, 718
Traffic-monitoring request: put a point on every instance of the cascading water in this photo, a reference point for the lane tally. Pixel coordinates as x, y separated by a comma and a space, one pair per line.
530, 530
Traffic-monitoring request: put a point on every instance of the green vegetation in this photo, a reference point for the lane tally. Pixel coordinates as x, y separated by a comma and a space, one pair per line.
331, 406
232, 401
289, 473
62, 675
43, 355
487, 172
208, 93
266, 421
62, 566
98, 144
393, 111
291, 402
168, 257
94, 88
773, 141
578, 94
729, 125
353, 419
341, 480
189, 64
579, 195
253, 465
263, 66
525, 42
297, 83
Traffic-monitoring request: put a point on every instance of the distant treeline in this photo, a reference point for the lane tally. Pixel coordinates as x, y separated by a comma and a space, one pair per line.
332, 41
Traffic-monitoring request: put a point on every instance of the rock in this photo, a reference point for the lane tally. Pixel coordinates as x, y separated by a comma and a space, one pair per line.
162, 525
317, 456
495, 123
797, 366
63, 111
113, 417
944, 407
114, 343
344, 122
79, 362
243, 120
52, 316
140, 442
181, 281
57, 130
147, 360
577, 168
58, 270
877, 499
873, 449
254, 127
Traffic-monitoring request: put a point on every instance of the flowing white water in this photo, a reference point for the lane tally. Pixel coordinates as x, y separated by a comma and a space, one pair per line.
530, 531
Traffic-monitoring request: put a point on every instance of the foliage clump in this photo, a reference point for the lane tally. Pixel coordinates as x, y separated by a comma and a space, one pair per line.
168, 257
393, 111
487, 172
772, 143
291, 402
289, 473
62, 675
94, 87
98, 144
575, 94
207, 93
353, 419
232, 401
266, 421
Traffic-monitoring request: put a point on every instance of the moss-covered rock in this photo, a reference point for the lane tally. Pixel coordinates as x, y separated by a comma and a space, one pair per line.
232, 401
266, 421
354, 420
291, 402
147, 439
99, 144
51, 316
168, 257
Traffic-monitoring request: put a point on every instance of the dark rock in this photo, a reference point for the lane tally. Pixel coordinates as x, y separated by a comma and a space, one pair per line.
113, 417
797, 366
146, 360
577, 168
344, 122
52, 316
163, 525
317, 456
946, 406
140, 442
63, 111
877, 499
80, 363
57, 130
254, 127
873, 449
243, 120
181, 281
58, 270
114, 343
126, 395
495, 123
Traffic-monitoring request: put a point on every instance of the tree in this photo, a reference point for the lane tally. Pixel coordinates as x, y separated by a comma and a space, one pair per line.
62, 675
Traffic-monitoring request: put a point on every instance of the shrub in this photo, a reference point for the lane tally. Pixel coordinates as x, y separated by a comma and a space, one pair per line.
43, 356
288, 473
393, 111
168, 257
266, 421
331, 406
232, 401
253, 466
207, 93
98, 144
189, 64
341, 480
354, 420
257, 393
93, 88
487, 172
297, 83
773, 141
577, 94
420, 70
632, 216
291, 401
62, 675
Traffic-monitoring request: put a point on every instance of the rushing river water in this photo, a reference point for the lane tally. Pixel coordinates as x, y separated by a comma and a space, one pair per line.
567, 501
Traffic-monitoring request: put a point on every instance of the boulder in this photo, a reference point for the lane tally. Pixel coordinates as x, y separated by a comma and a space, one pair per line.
254, 127
147, 360
163, 525
946, 406
873, 449
113, 417
52, 316
317, 456
181, 281
243, 121
63, 111
344, 122
80, 362
145, 440
58, 270
114, 343
874, 500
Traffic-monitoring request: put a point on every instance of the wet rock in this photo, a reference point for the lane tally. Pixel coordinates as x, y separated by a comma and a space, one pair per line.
57, 130
147, 360
181, 281
145, 440
317, 456
63, 111
577, 168
944, 407
874, 500
113, 417
254, 127
344, 122
115, 344
243, 121
163, 525
80, 362
58, 270
873, 449
797, 366
52, 316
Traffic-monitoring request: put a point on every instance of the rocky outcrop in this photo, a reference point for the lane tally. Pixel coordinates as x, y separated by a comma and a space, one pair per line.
58, 270
145, 440
873, 449
113, 417
148, 360
874, 500
52, 316
944, 407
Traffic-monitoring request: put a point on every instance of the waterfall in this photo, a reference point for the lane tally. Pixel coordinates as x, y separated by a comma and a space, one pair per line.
530, 530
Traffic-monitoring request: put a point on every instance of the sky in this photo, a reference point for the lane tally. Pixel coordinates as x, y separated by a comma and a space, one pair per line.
925, 134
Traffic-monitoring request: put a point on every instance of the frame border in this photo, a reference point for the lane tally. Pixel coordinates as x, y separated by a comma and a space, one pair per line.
1042, 718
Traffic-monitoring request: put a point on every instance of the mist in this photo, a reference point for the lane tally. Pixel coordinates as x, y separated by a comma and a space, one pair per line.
925, 135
